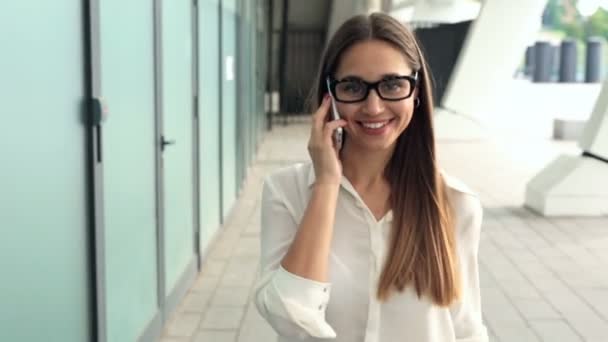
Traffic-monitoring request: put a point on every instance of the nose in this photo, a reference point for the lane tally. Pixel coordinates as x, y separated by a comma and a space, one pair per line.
373, 104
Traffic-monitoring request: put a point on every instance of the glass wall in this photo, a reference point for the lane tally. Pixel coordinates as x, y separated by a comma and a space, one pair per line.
142, 66
209, 118
177, 158
129, 185
229, 102
45, 286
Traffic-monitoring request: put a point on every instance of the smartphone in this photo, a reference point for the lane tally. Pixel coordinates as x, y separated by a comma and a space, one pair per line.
338, 134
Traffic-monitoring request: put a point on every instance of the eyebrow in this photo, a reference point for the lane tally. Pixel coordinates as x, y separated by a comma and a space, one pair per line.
383, 76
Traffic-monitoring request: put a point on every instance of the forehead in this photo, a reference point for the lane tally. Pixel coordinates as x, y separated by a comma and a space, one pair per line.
371, 59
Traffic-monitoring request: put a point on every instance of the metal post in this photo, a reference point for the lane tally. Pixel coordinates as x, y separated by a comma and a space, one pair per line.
542, 62
567, 62
529, 68
593, 61
283, 60
269, 65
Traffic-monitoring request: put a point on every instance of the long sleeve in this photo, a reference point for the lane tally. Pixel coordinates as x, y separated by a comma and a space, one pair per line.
466, 314
292, 305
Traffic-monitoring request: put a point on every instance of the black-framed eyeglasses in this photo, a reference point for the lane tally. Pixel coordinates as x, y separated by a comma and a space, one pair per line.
391, 88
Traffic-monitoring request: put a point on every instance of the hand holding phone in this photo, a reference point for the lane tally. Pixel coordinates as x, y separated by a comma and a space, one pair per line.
339, 132
325, 139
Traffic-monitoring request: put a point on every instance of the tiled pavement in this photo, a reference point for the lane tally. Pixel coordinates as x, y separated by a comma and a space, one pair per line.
543, 279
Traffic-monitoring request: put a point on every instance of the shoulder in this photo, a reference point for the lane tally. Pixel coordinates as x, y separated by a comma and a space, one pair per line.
457, 185
462, 198
288, 177
466, 207
290, 183
288, 187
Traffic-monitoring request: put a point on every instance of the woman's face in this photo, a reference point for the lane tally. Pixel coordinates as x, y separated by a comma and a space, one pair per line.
374, 123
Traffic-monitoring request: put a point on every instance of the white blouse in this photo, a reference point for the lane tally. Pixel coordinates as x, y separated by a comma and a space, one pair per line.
346, 309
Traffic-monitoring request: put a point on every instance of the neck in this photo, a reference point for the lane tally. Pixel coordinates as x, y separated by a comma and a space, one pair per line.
365, 168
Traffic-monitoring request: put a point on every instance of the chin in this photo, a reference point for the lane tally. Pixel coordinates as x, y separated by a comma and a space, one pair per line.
384, 145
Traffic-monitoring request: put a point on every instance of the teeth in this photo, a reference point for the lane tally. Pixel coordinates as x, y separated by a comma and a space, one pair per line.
375, 125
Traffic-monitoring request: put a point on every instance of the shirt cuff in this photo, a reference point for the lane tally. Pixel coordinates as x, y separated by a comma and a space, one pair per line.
305, 301
310, 293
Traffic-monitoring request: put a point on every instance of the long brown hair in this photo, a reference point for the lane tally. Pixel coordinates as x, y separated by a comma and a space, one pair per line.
422, 244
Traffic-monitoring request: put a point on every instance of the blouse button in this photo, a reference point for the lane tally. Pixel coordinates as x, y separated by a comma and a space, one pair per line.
325, 289
320, 307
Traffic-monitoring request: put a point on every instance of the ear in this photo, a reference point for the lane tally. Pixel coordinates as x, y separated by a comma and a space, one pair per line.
416, 96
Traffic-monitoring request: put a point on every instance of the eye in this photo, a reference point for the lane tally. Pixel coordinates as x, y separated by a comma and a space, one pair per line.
352, 87
396, 85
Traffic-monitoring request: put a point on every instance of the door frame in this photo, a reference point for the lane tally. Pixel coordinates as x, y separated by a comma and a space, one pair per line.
94, 115
168, 301
220, 70
238, 79
159, 128
196, 148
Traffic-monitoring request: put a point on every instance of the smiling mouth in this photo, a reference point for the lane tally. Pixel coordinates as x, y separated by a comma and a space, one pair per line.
375, 124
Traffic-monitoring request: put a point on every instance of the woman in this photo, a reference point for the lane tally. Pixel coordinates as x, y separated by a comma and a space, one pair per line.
371, 242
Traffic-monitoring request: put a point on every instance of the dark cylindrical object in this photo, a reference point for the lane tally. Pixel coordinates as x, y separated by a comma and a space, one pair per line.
543, 58
529, 68
283, 61
270, 67
555, 58
593, 62
567, 61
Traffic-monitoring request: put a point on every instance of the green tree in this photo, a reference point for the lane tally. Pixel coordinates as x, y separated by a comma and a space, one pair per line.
552, 14
597, 24
574, 29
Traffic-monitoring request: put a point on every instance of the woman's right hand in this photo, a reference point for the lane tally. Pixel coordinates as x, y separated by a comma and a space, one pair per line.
324, 155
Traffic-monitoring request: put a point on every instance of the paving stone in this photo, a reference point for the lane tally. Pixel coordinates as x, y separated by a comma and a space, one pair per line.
580, 316
255, 328
240, 272
498, 308
248, 247
236, 279
231, 296
253, 230
520, 289
205, 284
555, 330
215, 336
174, 339
183, 325
533, 309
521, 256
213, 268
492, 337
223, 250
520, 332
196, 302
597, 299
222, 318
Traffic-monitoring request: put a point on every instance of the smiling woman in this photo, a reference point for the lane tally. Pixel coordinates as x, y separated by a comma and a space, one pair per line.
374, 99
371, 242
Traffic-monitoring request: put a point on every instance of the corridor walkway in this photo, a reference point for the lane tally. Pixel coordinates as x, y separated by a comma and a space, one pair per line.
543, 279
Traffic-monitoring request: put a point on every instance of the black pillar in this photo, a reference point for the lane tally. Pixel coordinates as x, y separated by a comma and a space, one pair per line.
567, 61
529, 68
283, 60
593, 65
543, 58
269, 65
